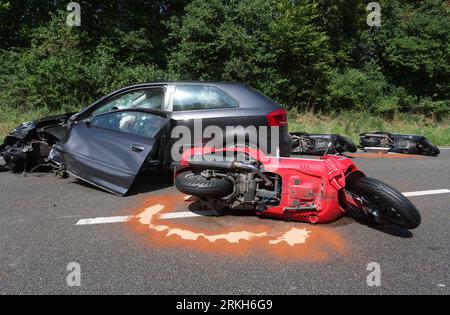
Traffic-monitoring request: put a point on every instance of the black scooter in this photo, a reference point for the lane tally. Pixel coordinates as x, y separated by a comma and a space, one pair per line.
319, 144
398, 143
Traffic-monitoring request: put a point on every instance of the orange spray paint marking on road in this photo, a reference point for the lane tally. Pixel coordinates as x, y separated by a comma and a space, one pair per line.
276, 238
385, 156
293, 237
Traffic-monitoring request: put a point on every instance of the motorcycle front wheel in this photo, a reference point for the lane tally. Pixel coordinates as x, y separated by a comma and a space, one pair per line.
429, 148
346, 144
386, 204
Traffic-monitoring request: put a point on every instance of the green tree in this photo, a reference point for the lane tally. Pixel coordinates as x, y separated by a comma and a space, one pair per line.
316, 54
275, 46
302, 53
412, 47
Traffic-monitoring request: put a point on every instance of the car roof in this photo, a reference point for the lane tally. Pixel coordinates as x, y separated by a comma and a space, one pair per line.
214, 83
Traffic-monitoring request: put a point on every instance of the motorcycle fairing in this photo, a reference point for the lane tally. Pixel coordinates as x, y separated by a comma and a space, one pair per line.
311, 189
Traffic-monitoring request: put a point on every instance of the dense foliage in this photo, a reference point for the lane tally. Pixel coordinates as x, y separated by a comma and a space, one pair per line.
307, 54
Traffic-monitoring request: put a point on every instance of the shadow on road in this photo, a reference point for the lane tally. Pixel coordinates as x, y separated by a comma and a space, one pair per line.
352, 217
145, 183
362, 219
198, 208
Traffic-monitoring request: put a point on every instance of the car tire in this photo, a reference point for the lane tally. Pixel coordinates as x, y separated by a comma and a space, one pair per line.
198, 185
406, 214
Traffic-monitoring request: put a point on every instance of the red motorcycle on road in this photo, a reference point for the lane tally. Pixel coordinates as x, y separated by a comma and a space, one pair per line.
307, 190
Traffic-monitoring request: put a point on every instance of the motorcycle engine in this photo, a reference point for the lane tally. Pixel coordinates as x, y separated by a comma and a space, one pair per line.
252, 193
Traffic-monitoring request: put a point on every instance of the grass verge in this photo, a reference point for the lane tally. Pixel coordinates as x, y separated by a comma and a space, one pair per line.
11, 117
351, 124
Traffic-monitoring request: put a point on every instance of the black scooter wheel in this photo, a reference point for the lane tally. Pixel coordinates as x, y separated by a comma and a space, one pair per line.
370, 142
391, 205
348, 144
198, 185
429, 148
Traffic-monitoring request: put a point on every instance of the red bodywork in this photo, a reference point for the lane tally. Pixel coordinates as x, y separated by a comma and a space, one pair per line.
306, 183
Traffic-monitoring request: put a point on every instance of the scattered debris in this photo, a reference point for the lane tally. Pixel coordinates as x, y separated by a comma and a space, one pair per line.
398, 143
319, 144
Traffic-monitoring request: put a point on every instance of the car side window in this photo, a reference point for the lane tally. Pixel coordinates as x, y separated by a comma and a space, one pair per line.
143, 99
197, 97
137, 123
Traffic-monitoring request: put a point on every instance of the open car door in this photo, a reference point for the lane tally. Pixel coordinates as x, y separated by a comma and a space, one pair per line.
110, 150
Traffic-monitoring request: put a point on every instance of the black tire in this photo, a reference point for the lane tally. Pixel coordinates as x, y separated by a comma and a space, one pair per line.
197, 185
394, 208
429, 148
370, 142
348, 144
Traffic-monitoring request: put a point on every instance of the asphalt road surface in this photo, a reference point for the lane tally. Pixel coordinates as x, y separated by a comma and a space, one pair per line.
44, 228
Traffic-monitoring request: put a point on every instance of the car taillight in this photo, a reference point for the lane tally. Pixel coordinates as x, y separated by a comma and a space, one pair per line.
278, 118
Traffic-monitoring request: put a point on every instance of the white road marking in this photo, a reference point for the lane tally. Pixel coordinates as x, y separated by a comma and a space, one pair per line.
107, 220
427, 192
189, 214
166, 216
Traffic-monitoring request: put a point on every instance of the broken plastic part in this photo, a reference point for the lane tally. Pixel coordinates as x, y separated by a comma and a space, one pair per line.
2, 164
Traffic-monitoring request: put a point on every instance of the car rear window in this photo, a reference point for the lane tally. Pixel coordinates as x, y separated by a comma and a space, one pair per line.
197, 97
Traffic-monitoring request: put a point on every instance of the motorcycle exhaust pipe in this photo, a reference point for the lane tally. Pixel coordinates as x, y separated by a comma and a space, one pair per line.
220, 165
230, 166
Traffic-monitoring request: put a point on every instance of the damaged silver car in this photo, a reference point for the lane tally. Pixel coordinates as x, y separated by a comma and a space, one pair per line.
129, 131
107, 151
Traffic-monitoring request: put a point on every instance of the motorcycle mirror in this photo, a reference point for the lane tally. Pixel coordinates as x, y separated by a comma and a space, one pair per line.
328, 149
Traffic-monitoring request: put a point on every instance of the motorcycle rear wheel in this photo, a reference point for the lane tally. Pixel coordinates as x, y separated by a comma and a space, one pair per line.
370, 142
198, 185
390, 205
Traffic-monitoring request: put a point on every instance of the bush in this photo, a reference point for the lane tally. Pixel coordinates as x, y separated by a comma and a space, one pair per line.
59, 74
311, 54
358, 89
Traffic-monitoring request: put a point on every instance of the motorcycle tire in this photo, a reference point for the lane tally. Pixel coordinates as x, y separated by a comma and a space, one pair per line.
370, 142
392, 205
348, 144
429, 148
198, 185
